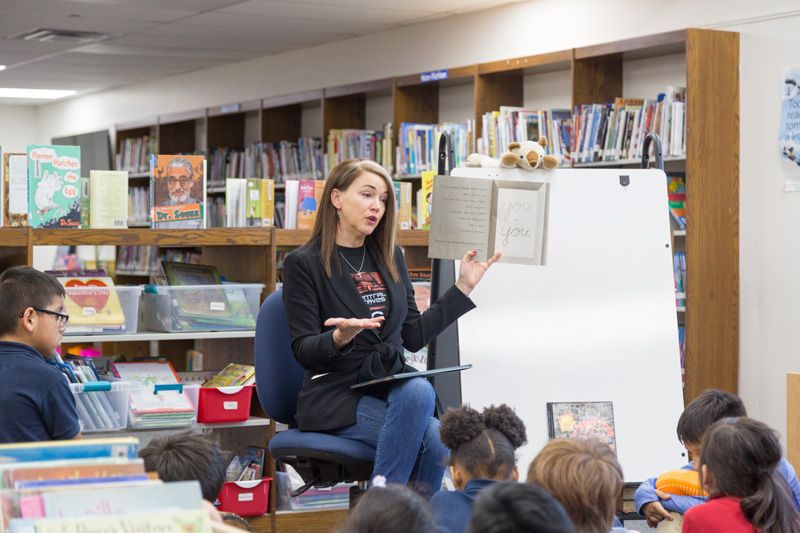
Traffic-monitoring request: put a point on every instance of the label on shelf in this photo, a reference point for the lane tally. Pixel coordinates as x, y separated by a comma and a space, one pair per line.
230, 406
217, 306
246, 497
434, 75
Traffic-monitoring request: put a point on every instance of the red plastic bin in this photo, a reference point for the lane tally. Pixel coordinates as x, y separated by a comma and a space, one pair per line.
224, 404
245, 498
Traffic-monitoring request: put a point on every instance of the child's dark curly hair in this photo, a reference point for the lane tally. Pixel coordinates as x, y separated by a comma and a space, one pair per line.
484, 443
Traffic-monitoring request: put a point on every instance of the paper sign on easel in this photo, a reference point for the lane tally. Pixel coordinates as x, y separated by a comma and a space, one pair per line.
489, 215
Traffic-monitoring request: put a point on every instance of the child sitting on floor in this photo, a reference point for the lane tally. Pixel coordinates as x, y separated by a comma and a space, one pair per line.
389, 509
709, 407
739, 468
511, 507
585, 476
482, 447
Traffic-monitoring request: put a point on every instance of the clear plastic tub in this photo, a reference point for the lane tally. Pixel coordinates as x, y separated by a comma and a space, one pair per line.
231, 306
101, 405
102, 310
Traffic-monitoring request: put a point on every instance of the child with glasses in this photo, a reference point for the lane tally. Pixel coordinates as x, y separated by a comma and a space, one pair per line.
35, 401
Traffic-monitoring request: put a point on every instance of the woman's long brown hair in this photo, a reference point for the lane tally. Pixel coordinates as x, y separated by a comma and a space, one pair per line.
326, 225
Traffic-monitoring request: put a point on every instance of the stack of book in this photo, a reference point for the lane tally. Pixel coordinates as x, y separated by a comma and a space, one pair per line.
233, 375
249, 203
156, 398
92, 485
292, 160
360, 144
138, 206
134, 154
418, 145
247, 465
616, 132
517, 124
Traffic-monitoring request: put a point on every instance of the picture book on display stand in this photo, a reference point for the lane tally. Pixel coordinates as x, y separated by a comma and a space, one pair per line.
178, 191
54, 186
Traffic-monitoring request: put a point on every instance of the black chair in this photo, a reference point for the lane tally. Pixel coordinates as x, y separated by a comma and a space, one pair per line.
322, 460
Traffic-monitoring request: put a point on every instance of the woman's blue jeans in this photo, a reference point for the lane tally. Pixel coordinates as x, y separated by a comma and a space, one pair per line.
405, 435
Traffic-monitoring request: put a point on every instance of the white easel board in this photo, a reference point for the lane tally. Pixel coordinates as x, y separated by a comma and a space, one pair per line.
597, 323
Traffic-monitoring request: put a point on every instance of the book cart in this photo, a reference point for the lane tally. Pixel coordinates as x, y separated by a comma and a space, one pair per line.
709, 60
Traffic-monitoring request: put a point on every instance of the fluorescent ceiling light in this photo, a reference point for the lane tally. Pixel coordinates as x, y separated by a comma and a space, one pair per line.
2, 67
44, 94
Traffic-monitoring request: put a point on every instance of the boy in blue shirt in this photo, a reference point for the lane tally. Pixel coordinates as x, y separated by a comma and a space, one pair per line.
35, 401
699, 415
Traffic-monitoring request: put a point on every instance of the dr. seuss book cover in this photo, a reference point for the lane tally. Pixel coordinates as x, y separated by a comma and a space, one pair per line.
54, 186
582, 420
178, 191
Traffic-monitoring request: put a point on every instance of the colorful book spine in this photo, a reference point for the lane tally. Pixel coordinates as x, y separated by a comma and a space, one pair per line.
306, 204
76, 449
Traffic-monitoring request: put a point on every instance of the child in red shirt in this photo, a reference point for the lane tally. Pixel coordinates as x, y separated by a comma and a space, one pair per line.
738, 468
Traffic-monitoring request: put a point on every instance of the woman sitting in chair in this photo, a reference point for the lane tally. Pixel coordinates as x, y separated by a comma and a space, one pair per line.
351, 311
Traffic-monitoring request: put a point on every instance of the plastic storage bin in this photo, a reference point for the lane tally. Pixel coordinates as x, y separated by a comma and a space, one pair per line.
162, 405
221, 404
245, 498
101, 405
230, 306
102, 310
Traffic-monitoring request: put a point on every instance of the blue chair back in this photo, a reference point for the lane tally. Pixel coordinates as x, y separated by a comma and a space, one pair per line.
279, 376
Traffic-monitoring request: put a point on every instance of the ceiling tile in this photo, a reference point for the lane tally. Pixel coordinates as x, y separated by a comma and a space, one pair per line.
364, 13
199, 41
257, 34
268, 22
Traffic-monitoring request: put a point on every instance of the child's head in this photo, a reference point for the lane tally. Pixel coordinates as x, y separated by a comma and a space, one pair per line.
32, 310
584, 476
482, 445
390, 509
740, 458
710, 406
187, 456
511, 507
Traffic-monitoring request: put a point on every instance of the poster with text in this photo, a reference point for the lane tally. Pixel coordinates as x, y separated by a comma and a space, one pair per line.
789, 134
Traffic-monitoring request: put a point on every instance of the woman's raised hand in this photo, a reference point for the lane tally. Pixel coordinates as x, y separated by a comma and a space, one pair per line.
347, 328
470, 271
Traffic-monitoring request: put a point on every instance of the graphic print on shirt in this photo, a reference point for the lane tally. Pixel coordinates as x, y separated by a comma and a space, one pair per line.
372, 289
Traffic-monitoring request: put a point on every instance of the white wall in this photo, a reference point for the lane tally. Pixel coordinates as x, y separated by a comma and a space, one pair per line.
17, 128
770, 255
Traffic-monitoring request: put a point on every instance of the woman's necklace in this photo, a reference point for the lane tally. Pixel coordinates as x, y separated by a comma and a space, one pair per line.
363, 256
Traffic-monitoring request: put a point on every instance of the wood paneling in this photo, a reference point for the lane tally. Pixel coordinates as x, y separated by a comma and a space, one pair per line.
495, 90
343, 112
639, 47
158, 237
310, 522
282, 123
712, 221
415, 103
596, 79
226, 131
177, 137
530, 64
290, 99
793, 419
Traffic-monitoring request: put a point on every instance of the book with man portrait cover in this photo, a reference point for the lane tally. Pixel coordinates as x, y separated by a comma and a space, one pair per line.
178, 191
582, 420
